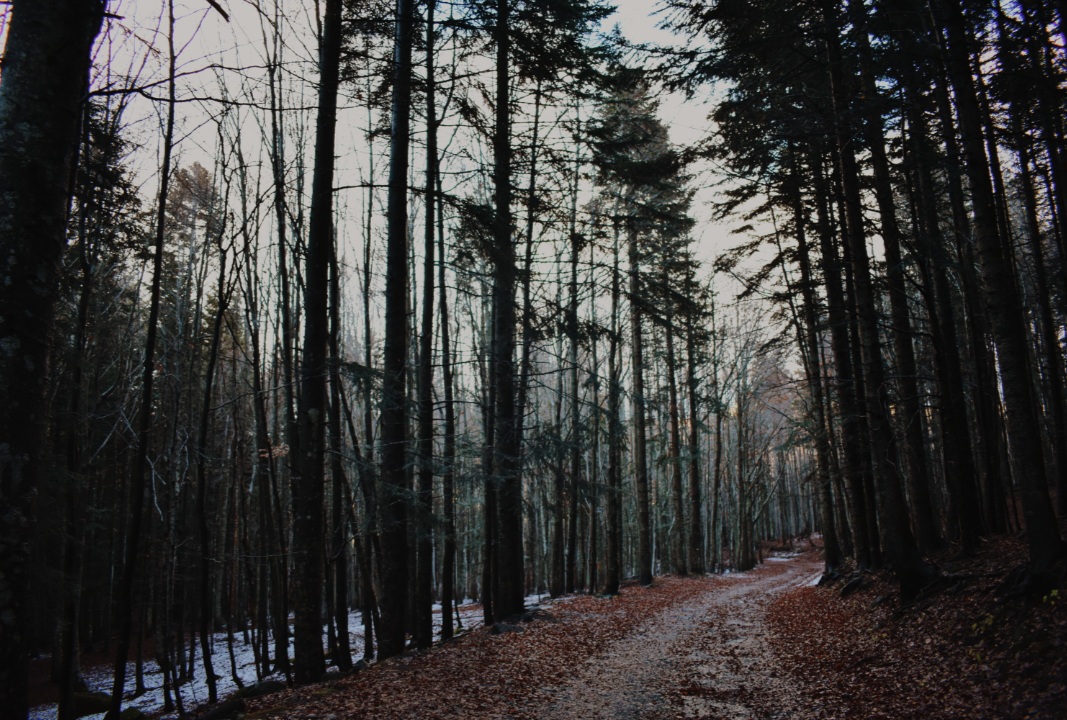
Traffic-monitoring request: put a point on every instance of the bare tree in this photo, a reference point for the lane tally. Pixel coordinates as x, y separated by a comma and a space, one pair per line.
393, 494
308, 483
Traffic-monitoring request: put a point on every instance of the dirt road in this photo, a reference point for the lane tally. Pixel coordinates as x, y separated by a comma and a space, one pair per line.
706, 658
683, 648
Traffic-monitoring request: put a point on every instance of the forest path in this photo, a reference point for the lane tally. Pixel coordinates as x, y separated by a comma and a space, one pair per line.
695, 647
707, 658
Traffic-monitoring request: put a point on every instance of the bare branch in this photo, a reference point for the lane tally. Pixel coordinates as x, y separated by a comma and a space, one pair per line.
218, 7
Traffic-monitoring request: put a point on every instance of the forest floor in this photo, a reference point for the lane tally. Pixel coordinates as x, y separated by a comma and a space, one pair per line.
768, 643
765, 644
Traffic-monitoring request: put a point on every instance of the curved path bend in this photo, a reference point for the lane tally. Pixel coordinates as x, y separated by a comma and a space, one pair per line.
707, 658
685, 648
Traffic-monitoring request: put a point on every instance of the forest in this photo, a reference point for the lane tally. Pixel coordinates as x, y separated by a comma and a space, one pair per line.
322, 319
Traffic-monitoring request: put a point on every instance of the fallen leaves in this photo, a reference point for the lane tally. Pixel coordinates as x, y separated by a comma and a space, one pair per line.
755, 645
486, 675
964, 652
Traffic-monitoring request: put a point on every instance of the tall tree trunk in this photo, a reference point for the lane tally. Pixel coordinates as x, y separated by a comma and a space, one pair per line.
342, 657
743, 556
422, 597
917, 475
849, 412
613, 564
1053, 358
1004, 307
509, 560
1041, 53
370, 551
73, 554
489, 524
136, 491
364, 548
573, 448
594, 460
832, 557
525, 359
557, 565
281, 220
203, 533
897, 539
264, 478
859, 379
368, 355
677, 541
696, 520
309, 483
958, 458
987, 393
644, 543
575, 444
280, 576
392, 495
448, 563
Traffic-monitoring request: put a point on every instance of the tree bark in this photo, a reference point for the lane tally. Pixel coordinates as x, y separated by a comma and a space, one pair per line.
849, 411
422, 615
338, 482
897, 539
45, 78
136, 491
594, 461
509, 557
203, 533
1008, 322
309, 483
677, 544
575, 445
917, 472
613, 563
644, 544
832, 556
392, 494
448, 563
696, 522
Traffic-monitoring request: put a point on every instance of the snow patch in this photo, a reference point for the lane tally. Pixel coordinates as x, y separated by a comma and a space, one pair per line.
783, 557
194, 692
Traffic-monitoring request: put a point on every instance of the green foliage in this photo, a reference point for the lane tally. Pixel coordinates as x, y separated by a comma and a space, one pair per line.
108, 224
644, 191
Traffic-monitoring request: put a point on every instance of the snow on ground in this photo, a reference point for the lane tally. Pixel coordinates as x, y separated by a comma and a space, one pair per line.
194, 692
782, 557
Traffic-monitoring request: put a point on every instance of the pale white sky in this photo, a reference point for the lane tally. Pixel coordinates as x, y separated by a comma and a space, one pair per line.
208, 38
686, 118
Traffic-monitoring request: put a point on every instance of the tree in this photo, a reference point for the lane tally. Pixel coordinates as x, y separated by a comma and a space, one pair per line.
696, 338
896, 535
508, 591
140, 462
613, 570
308, 483
45, 77
642, 173
206, 627
1004, 306
423, 596
392, 495
916, 471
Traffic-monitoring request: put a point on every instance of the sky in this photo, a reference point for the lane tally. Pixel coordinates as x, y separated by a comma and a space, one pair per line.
210, 34
687, 119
